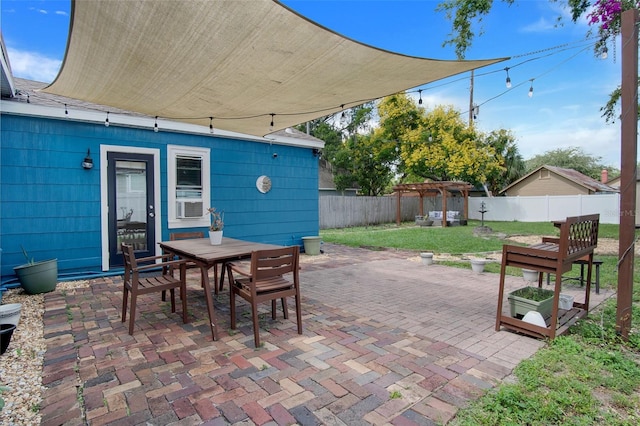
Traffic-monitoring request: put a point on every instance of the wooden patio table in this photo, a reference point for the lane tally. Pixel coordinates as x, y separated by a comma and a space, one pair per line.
205, 255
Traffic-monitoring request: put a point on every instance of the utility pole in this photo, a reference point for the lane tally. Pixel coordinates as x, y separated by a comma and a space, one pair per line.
471, 101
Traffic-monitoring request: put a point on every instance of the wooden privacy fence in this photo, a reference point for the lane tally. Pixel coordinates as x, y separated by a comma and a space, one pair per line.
342, 212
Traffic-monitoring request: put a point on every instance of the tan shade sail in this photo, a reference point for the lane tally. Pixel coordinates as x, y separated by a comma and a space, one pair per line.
237, 61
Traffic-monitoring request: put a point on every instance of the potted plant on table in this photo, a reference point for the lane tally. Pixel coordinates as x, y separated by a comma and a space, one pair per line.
37, 277
217, 223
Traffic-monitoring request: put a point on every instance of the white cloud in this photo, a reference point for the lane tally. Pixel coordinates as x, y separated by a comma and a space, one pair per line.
589, 133
557, 14
61, 12
33, 66
44, 12
542, 25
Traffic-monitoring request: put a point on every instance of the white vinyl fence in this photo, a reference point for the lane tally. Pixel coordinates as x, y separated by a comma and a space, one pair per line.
342, 212
546, 208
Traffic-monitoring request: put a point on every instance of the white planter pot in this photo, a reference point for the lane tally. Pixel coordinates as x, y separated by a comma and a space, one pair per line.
215, 237
427, 258
565, 301
477, 265
10, 313
311, 245
530, 275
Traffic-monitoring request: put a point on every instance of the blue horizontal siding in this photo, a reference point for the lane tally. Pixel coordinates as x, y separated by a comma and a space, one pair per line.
50, 205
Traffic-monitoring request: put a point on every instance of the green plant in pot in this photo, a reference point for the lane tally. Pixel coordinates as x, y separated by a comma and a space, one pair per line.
528, 299
37, 277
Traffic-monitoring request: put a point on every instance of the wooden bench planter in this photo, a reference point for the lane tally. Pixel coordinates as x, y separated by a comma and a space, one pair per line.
578, 238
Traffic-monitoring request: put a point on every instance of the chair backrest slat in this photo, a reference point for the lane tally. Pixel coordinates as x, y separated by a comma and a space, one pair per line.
578, 236
270, 263
129, 256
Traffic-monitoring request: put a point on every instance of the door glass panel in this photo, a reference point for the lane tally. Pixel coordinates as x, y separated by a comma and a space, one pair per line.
131, 203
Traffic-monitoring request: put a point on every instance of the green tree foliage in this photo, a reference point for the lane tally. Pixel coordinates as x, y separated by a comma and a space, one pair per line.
462, 14
507, 154
465, 14
370, 166
358, 159
434, 145
323, 129
571, 158
411, 145
610, 110
398, 116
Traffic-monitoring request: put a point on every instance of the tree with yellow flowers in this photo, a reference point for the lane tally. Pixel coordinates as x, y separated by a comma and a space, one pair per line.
435, 145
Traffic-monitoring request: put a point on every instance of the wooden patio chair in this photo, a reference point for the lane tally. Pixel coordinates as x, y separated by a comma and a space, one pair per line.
266, 281
175, 236
139, 280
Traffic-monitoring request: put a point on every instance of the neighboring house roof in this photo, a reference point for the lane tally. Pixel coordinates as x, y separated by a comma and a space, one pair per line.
615, 182
29, 91
25, 97
325, 180
6, 81
245, 64
575, 176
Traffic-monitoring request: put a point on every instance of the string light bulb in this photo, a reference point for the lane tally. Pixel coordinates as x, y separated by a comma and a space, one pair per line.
343, 117
271, 125
508, 78
155, 125
211, 125
420, 97
531, 89
66, 111
605, 53
106, 120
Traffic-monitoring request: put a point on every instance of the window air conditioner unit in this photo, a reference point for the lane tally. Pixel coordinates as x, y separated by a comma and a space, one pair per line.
188, 209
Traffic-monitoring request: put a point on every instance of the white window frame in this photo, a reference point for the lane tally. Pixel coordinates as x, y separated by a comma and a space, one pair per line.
173, 151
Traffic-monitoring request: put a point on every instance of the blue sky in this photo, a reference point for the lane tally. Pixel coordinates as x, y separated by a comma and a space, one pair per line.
570, 84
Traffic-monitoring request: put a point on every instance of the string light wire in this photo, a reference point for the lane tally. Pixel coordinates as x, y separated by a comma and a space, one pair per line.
334, 109
534, 78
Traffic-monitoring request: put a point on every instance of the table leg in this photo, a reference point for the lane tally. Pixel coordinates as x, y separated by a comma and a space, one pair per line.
209, 299
222, 268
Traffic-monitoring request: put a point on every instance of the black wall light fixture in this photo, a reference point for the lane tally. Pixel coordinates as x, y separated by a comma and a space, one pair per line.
87, 163
316, 152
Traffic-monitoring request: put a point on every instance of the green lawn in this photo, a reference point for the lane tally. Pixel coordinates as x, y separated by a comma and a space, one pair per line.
589, 376
453, 240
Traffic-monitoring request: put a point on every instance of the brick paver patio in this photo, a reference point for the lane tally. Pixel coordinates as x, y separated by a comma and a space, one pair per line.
386, 340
